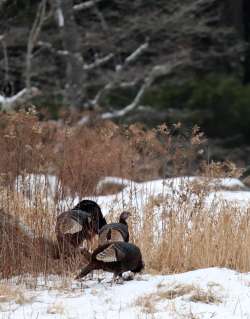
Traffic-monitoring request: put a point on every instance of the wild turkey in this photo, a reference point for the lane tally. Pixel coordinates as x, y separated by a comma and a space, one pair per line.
115, 257
78, 224
115, 231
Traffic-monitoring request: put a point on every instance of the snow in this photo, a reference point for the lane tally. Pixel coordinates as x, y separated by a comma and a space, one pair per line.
136, 196
33, 184
203, 293
167, 195
101, 299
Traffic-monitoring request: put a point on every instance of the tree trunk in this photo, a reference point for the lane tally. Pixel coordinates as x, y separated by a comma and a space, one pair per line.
75, 75
237, 14
234, 15
246, 21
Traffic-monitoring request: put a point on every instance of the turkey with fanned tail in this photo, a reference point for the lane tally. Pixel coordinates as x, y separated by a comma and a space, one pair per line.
83, 222
115, 257
115, 231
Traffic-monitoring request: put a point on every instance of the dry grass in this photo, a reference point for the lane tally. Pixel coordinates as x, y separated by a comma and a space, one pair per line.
176, 233
208, 297
18, 295
56, 309
191, 239
146, 303
175, 292
164, 297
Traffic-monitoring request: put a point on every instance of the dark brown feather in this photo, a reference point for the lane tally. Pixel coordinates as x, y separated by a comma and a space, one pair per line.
115, 257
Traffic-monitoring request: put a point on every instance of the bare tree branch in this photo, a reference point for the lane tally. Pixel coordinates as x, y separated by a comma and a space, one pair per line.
86, 67
33, 36
119, 68
98, 62
133, 56
125, 85
86, 5
156, 72
2, 2
59, 15
56, 8
101, 18
93, 4
6, 60
50, 47
11, 103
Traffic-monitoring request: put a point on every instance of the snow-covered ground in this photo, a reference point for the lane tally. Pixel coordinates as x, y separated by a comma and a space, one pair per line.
205, 293
136, 195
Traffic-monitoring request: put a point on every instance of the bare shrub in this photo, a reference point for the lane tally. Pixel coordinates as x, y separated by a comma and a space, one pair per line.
183, 238
177, 232
164, 294
9, 293
208, 297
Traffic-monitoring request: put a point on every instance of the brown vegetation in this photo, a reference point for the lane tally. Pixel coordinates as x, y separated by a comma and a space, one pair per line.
179, 237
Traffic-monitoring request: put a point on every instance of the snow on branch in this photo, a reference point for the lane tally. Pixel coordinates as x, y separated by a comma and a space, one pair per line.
11, 103
86, 5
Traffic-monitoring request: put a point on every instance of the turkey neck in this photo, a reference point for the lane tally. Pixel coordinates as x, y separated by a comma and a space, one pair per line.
86, 270
123, 221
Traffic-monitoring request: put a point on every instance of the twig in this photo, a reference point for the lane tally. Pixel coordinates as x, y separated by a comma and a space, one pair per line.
86, 67
86, 5
133, 56
98, 62
49, 46
59, 15
101, 18
6, 60
156, 72
33, 36
119, 68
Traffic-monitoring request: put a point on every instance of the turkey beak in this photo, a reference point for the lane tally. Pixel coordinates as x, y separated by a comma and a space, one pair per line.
128, 214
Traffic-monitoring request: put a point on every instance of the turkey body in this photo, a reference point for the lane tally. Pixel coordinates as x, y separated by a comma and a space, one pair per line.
81, 223
115, 231
115, 257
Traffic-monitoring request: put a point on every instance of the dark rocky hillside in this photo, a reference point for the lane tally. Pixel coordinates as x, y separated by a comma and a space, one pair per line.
207, 41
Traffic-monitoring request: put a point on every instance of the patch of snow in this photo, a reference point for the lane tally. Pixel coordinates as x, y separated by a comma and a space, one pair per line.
93, 299
136, 195
37, 186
